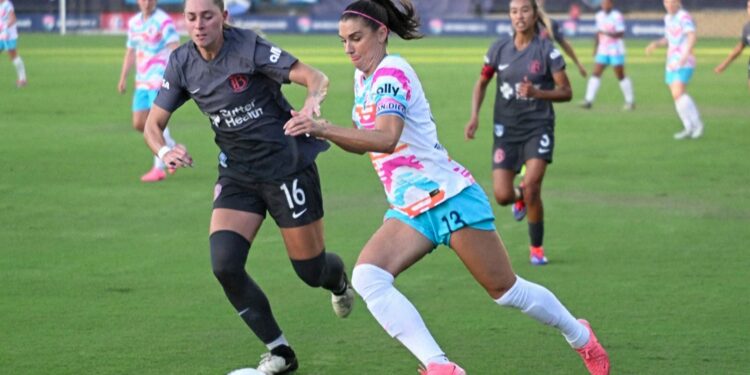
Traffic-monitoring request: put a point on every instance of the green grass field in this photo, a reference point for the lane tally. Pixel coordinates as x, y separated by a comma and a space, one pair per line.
102, 274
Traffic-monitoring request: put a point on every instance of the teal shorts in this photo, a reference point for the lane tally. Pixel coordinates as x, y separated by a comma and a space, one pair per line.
614, 60
683, 75
143, 99
470, 208
8, 45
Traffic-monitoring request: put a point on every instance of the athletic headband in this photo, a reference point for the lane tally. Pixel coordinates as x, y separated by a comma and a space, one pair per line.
366, 16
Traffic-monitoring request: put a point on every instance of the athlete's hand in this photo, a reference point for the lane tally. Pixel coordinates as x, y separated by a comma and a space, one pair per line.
301, 123
719, 68
121, 86
178, 157
471, 129
582, 70
526, 88
650, 48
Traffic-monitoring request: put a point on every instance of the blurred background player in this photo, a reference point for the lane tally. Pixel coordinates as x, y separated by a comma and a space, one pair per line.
433, 199
151, 38
9, 39
555, 30
609, 50
529, 79
744, 42
680, 39
234, 77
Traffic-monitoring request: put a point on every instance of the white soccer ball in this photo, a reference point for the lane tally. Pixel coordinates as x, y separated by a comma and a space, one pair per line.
246, 371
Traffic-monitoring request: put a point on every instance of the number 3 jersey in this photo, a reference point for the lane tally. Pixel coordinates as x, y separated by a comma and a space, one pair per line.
240, 92
419, 174
516, 117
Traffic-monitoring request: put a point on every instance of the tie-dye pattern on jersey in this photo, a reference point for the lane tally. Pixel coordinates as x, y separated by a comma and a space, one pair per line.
7, 32
419, 174
612, 22
676, 28
150, 38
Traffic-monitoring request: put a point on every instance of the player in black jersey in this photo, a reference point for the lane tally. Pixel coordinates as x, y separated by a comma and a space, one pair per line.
744, 42
530, 76
235, 78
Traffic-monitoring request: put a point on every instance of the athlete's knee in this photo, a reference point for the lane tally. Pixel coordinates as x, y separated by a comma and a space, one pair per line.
139, 125
504, 197
311, 271
228, 256
370, 281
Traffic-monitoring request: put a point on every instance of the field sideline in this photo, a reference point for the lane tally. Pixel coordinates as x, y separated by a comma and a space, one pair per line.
102, 274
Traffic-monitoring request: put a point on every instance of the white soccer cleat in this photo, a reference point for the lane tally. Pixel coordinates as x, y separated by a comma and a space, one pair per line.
697, 132
683, 134
281, 360
343, 304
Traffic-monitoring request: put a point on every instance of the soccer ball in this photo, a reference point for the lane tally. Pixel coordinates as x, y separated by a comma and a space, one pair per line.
246, 371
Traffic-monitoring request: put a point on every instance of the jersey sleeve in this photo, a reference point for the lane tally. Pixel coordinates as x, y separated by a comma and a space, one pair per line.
746, 35
619, 23
556, 60
686, 21
490, 60
169, 30
391, 91
172, 93
273, 61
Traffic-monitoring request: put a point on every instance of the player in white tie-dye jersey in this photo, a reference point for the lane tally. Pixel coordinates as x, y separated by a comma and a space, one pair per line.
434, 200
680, 38
9, 39
151, 38
610, 50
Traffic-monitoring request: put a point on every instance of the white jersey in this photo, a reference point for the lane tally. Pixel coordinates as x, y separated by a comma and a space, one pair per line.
419, 174
677, 27
612, 22
7, 32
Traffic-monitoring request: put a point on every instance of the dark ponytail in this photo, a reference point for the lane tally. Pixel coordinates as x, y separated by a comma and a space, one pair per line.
401, 19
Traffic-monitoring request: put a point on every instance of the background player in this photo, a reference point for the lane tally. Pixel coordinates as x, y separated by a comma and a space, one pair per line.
680, 39
151, 38
609, 50
9, 39
744, 42
559, 36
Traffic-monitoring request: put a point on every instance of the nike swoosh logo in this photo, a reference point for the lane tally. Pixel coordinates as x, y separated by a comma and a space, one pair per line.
195, 91
296, 215
543, 150
503, 67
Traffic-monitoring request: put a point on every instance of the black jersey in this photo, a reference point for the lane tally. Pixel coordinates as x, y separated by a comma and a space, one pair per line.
746, 35
240, 92
517, 118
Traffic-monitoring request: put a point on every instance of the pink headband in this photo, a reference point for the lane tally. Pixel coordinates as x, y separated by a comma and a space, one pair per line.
365, 16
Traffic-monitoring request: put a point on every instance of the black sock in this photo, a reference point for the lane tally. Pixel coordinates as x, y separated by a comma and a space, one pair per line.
536, 233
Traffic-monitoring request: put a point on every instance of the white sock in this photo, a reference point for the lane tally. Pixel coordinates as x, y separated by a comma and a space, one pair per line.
281, 340
691, 111
627, 90
168, 137
592, 88
395, 313
682, 104
20, 68
539, 303
158, 163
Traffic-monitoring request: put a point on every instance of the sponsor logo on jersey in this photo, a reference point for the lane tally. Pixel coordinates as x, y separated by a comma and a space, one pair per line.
554, 54
237, 116
238, 82
275, 54
388, 89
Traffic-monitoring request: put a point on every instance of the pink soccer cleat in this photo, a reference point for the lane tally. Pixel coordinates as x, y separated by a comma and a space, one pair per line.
593, 354
21, 83
156, 174
449, 368
536, 256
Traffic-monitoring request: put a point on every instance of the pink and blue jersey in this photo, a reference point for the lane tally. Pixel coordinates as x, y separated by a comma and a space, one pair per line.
7, 32
612, 22
150, 38
677, 27
419, 174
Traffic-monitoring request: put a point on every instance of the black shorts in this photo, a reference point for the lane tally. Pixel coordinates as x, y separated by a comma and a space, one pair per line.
292, 201
513, 155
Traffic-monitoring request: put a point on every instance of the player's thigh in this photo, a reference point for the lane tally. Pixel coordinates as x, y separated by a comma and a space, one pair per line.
237, 207
598, 69
619, 71
304, 242
245, 223
484, 255
677, 88
395, 246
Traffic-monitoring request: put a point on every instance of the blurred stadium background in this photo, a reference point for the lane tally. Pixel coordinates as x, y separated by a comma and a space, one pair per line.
716, 18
